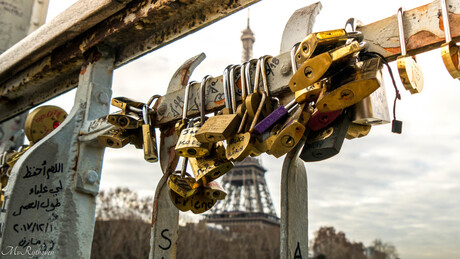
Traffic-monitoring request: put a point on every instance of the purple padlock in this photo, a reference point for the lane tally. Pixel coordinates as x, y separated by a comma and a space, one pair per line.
273, 118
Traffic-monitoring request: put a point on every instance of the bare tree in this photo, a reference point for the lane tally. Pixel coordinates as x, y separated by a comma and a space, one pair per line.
331, 245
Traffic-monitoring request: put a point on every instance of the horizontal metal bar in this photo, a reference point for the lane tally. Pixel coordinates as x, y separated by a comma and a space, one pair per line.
142, 26
132, 29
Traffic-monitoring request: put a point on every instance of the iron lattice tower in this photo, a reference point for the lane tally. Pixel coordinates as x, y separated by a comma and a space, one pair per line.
248, 198
248, 39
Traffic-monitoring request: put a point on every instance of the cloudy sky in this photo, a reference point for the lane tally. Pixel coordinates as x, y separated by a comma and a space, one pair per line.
404, 189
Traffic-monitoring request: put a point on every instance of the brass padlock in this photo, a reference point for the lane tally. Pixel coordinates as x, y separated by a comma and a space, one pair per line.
115, 138
187, 144
182, 183
409, 71
319, 42
220, 127
149, 137
214, 190
327, 142
126, 104
357, 131
41, 121
449, 50
208, 169
181, 203
125, 121
323, 65
289, 134
351, 85
200, 202
242, 144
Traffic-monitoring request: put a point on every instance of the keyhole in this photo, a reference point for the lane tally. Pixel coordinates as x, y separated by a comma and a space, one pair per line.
308, 72
346, 94
288, 141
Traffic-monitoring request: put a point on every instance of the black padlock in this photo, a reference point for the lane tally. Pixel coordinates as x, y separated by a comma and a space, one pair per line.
327, 142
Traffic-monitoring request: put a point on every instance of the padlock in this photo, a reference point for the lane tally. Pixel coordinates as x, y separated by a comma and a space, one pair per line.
41, 121
115, 138
327, 142
243, 144
200, 202
182, 183
357, 131
187, 144
181, 187
449, 50
214, 190
125, 121
209, 168
13, 157
289, 135
320, 120
220, 127
277, 115
409, 71
309, 94
126, 105
351, 85
149, 137
322, 65
372, 110
319, 42
181, 203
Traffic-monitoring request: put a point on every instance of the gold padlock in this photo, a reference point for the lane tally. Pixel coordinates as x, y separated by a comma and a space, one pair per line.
115, 138
42, 121
182, 183
125, 121
351, 85
181, 187
409, 71
125, 104
319, 42
449, 50
357, 131
242, 144
321, 65
213, 190
149, 137
208, 169
201, 202
290, 133
221, 127
187, 144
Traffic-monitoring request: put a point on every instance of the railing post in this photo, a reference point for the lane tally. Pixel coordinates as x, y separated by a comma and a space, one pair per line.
50, 199
294, 206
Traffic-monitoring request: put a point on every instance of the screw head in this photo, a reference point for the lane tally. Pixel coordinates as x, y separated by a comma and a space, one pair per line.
91, 177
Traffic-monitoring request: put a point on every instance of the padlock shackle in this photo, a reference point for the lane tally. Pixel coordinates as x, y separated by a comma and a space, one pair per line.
232, 87
244, 91
154, 97
249, 86
227, 98
402, 40
293, 62
264, 74
145, 114
203, 98
445, 20
186, 96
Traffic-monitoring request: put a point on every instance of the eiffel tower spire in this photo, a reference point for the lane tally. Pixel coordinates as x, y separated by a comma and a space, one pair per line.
247, 38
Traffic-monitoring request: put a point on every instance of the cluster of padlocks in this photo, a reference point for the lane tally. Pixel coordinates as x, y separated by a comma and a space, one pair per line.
39, 123
338, 93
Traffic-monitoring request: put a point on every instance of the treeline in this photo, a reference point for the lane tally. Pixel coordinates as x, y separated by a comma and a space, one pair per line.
122, 230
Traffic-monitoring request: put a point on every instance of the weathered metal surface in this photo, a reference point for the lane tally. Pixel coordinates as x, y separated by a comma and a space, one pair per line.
299, 25
57, 50
55, 182
294, 206
165, 225
423, 28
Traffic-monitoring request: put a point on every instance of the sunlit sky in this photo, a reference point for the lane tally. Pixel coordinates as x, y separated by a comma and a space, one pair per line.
403, 189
